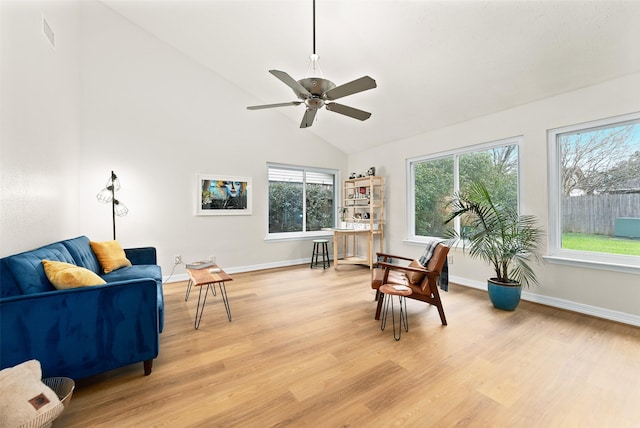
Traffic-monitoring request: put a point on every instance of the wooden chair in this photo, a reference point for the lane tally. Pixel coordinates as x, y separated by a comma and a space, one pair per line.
423, 281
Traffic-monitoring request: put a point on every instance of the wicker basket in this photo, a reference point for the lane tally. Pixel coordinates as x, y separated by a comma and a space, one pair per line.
62, 386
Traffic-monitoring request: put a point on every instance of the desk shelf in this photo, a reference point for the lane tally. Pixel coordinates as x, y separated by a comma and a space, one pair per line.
362, 217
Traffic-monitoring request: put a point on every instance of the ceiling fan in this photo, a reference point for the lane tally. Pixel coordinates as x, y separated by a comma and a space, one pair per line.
314, 91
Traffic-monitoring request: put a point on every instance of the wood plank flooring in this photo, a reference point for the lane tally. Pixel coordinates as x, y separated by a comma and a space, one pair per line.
303, 350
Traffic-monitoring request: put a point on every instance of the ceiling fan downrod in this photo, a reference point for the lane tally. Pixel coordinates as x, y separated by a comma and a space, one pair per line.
315, 92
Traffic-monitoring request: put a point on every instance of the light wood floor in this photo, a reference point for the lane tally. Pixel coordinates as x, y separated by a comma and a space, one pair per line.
303, 350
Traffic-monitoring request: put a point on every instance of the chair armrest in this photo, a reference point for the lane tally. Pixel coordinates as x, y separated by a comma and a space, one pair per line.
385, 256
141, 256
406, 268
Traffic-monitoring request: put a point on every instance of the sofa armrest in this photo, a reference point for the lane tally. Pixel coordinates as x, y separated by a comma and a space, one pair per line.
141, 256
82, 331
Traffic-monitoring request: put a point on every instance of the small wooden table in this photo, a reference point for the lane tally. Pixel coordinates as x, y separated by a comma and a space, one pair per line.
350, 257
200, 277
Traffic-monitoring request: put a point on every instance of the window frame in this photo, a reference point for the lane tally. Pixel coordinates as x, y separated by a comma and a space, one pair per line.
557, 254
284, 236
411, 237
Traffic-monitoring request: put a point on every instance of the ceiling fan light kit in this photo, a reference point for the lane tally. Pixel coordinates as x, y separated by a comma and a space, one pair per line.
316, 92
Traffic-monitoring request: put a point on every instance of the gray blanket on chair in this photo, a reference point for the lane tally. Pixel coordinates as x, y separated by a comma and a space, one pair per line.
443, 280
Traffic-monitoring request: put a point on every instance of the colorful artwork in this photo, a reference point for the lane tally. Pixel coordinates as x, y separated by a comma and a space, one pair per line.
223, 195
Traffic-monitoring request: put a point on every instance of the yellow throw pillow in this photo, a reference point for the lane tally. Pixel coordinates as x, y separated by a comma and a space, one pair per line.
415, 277
65, 275
110, 255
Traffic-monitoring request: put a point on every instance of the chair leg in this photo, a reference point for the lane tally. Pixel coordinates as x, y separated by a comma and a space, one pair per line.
438, 304
379, 307
314, 254
443, 319
325, 253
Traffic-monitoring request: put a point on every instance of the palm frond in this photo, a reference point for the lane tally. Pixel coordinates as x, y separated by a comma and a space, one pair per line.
496, 234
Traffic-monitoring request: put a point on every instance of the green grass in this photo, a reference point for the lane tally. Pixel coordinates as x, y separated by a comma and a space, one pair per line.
601, 244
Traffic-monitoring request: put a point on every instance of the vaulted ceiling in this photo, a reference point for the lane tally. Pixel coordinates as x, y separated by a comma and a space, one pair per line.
436, 63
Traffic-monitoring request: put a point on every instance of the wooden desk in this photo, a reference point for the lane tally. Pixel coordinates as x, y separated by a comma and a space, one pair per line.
202, 277
350, 257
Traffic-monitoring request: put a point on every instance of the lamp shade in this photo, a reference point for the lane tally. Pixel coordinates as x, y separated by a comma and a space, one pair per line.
120, 209
113, 181
105, 196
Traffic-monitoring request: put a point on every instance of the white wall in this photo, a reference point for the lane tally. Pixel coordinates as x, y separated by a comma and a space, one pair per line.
157, 118
112, 97
612, 294
39, 129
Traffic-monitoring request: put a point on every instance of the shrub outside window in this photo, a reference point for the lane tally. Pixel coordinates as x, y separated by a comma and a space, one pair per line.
301, 200
434, 179
594, 191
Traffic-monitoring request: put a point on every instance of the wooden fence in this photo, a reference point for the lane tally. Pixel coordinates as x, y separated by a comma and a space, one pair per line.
596, 214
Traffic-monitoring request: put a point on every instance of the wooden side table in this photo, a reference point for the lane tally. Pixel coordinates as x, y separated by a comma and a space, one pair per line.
387, 292
203, 277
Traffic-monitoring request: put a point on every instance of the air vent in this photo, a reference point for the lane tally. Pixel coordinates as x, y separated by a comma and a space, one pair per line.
48, 32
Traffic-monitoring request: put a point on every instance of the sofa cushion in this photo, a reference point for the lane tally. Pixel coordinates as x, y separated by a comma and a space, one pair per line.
28, 271
82, 253
110, 255
134, 272
65, 275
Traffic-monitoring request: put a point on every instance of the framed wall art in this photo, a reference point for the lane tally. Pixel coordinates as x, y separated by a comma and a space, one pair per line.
223, 195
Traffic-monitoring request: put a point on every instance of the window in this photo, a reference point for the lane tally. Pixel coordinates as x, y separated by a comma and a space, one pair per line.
301, 200
594, 191
434, 179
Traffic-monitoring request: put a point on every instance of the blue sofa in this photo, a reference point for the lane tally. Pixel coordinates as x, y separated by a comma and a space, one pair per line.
82, 331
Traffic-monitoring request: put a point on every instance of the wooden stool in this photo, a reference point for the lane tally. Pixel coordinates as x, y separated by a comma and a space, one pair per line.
395, 290
320, 248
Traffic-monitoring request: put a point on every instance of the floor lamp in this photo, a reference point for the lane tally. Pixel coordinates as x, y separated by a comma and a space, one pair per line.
108, 194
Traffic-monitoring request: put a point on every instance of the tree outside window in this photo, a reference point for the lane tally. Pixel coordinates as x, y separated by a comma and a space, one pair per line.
436, 179
599, 188
301, 199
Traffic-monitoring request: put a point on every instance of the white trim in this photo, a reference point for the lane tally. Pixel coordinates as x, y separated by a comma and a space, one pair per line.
337, 195
248, 268
558, 255
298, 236
595, 264
595, 311
517, 140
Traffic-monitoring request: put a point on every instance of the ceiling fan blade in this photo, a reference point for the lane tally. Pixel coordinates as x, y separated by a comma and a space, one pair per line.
299, 90
307, 119
292, 103
362, 84
348, 111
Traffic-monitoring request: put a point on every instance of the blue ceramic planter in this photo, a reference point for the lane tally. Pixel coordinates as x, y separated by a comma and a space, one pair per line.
505, 297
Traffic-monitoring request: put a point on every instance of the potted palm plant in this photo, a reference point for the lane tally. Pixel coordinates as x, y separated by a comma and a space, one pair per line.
498, 235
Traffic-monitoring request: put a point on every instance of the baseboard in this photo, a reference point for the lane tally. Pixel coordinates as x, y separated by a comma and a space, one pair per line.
595, 311
240, 269
621, 317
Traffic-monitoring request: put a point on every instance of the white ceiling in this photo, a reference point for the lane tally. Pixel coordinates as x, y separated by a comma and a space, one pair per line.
436, 63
